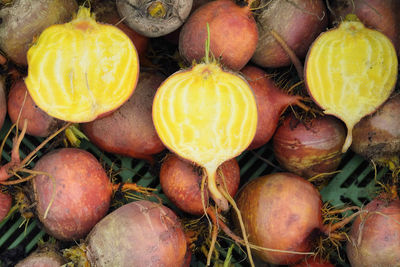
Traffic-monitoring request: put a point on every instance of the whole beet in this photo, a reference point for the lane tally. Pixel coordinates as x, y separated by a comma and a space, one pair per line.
297, 22
74, 188
140, 233
233, 33
280, 211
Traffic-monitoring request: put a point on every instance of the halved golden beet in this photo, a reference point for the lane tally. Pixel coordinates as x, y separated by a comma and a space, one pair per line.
81, 70
206, 115
350, 71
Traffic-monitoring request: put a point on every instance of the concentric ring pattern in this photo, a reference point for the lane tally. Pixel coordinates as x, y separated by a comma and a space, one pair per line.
205, 114
81, 69
350, 71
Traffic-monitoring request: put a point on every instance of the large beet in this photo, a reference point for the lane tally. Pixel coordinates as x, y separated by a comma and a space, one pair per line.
77, 194
375, 235
45, 255
280, 211
140, 233
130, 131
377, 14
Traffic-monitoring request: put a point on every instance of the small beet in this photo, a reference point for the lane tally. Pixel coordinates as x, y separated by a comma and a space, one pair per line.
40, 124
181, 182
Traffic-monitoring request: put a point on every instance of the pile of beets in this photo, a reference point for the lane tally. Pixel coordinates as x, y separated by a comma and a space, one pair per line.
86, 211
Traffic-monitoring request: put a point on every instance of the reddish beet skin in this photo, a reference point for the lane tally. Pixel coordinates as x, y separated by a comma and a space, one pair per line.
309, 148
39, 123
280, 211
79, 187
375, 236
233, 33
271, 102
181, 182
5, 204
129, 131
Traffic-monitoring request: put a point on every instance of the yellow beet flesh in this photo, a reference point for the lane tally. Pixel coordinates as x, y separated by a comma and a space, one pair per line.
350, 71
82, 69
205, 115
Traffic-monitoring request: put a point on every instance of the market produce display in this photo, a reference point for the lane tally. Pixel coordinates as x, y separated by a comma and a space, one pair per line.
199, 133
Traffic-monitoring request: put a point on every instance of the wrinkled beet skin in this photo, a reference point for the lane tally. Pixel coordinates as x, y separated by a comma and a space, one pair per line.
375, 238
233, 34
298, 22
129, 131
181, 182
82, 192
44, 258
280, 211
39, 123
5, 205
309, 148
376, 14
377, 136
141, 232
271, 102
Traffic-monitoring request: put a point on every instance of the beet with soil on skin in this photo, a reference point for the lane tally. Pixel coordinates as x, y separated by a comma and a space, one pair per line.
45, 255
40, 124
233, 34
147, 233
309, 148
77, 194
181, 182
271, 102
377, 136
129, 131
374, 238
297, 22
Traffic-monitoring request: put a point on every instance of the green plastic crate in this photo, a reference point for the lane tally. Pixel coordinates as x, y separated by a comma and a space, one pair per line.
355, 184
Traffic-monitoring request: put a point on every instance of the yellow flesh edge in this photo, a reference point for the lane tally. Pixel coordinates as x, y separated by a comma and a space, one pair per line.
350, 72
76, 74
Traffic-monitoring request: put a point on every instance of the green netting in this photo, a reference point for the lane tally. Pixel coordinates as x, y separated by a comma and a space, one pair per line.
355, 184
